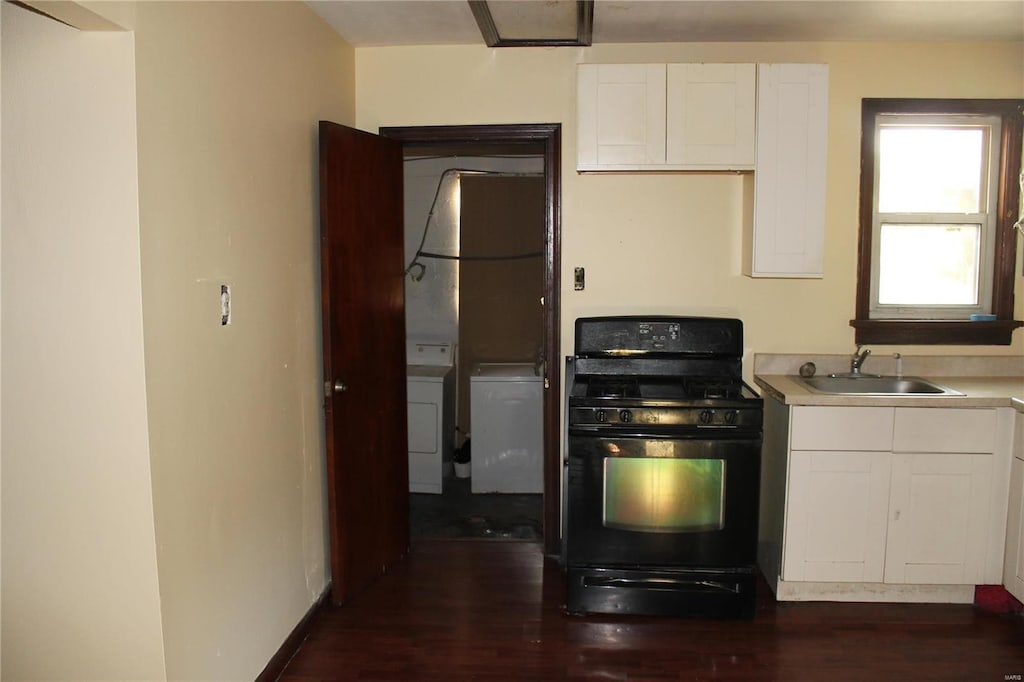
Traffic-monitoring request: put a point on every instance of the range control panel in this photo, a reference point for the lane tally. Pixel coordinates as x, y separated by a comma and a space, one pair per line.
657, 335
613, 336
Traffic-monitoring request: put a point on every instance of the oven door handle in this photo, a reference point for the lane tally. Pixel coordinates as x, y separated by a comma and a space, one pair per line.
718, 433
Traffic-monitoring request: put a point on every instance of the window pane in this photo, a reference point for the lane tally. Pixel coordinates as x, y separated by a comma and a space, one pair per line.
929, 264
930, 169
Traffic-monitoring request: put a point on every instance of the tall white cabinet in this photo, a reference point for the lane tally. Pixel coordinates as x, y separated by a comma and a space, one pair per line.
787, 235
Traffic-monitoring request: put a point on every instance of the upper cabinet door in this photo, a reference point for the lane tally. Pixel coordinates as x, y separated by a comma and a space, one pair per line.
789, 175
710, 122
620, 116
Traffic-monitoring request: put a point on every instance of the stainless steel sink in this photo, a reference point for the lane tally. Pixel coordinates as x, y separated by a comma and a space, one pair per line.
876, 385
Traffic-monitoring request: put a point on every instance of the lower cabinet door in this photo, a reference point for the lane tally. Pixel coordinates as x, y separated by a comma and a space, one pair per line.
836, 516
1013, 566
938, 519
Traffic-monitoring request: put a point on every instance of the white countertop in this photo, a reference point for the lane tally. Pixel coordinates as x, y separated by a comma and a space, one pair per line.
978, 392
987, 382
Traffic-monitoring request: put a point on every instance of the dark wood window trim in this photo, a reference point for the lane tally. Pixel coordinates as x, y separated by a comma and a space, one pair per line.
953, 332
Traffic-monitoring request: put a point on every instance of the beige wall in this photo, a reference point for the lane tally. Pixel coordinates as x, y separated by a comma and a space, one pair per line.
672, 243
163, 482
229, 95
79, 581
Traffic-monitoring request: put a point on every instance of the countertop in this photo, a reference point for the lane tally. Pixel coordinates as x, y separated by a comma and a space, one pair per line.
988, 382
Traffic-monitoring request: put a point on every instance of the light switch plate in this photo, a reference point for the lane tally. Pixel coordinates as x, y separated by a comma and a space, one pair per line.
225, 305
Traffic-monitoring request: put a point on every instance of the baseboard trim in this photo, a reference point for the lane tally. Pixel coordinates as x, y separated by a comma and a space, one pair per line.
279, 661
873, 592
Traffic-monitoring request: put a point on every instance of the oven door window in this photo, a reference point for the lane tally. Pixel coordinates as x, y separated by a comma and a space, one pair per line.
664, 495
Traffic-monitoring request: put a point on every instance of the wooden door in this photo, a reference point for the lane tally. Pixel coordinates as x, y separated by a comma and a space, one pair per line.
364, 354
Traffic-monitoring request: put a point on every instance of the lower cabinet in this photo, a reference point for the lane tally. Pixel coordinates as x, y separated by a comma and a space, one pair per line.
939, 524
1013, 568
836, 516
891, 495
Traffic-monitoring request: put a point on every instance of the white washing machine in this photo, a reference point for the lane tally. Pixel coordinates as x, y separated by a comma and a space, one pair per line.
506, 416
430, 385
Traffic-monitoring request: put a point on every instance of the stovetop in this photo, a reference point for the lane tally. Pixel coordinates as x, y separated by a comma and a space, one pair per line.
660, 372
662, 388
678, 402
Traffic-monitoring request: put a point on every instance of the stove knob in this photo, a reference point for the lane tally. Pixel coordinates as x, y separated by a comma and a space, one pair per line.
601, 416
625, 416
731, 417
706, 416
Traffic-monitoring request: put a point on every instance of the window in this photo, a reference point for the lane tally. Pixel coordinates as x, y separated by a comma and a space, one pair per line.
934, 206
939, 197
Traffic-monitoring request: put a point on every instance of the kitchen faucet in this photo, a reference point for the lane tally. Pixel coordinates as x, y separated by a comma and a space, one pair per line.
858, 360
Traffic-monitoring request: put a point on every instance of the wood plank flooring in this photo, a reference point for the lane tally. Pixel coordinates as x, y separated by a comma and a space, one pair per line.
493, 610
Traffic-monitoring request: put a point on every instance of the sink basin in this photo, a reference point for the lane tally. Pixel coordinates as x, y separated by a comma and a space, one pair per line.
876, 385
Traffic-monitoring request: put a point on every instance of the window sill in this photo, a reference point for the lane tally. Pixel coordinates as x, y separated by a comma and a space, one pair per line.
935, 332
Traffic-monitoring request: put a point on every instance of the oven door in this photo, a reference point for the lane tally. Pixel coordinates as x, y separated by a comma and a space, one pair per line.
653, 499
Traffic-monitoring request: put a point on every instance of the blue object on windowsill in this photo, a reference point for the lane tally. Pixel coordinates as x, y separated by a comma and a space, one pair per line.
980, 317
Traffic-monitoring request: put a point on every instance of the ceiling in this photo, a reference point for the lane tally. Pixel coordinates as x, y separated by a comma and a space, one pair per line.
369, 23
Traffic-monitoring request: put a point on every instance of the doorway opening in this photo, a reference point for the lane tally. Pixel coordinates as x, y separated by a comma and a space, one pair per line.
482, 254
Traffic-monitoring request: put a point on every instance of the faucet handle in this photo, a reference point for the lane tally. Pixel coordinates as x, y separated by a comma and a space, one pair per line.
858, 359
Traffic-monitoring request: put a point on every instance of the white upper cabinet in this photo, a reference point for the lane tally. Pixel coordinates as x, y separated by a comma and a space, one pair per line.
769, 118
787, 238
620, 116
710, 116
664, 117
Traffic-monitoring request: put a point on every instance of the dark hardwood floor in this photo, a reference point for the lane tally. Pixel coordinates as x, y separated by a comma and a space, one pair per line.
492, 610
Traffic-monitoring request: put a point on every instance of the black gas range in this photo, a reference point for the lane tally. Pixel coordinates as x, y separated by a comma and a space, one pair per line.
662, 468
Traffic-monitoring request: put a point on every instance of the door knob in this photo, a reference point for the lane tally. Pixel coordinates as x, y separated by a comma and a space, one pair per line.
337, 386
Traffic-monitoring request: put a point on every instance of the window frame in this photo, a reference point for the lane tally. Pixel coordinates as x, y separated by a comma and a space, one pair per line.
950, 331
984, 218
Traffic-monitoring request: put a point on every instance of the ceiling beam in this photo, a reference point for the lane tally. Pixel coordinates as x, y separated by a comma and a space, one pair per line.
492, 36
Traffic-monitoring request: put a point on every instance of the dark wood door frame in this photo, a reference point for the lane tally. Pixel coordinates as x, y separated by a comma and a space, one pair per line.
550, 136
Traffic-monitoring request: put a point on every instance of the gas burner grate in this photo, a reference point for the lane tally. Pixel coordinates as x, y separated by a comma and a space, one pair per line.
714, 388
614, 388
